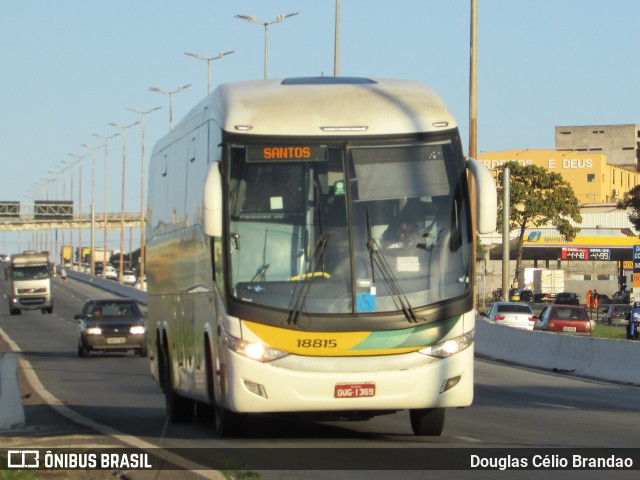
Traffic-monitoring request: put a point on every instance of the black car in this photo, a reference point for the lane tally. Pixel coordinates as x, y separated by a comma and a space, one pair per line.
621, 296
567, 298
111, 325
526, 296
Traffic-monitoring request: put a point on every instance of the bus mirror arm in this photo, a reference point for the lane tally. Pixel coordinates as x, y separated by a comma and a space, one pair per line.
213, 201
236, 240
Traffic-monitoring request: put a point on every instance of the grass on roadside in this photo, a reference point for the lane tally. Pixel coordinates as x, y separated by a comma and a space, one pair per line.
18, 475
609, 331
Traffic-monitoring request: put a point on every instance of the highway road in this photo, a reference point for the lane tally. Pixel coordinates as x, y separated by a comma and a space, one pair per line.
513, 407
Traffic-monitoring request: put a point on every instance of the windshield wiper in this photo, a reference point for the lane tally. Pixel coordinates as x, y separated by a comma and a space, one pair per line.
378, 260
302, 290
260, 273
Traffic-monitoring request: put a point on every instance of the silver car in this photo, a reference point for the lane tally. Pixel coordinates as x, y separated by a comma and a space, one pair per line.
512, 314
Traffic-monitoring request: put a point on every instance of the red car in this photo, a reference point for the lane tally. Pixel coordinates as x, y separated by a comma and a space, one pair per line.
571, 319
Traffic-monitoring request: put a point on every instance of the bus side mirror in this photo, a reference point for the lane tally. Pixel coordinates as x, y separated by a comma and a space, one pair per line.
213, 201
486, 196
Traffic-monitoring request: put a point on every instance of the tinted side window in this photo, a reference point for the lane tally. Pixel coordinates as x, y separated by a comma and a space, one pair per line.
514, 309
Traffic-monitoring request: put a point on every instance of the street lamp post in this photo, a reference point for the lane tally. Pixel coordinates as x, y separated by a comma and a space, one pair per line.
54, 231
208, 60
170, 93
124, 167
105, 208
79, 162
93, 208
336, 43
266, 23
68, 165
63, 168
142, 212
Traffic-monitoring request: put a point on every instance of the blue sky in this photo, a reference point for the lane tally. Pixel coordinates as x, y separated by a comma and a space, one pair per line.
71, 67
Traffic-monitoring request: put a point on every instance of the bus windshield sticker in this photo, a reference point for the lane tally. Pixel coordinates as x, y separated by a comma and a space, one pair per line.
366, 302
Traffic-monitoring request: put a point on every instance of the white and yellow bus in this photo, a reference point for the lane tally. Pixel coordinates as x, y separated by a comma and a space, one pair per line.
310, 249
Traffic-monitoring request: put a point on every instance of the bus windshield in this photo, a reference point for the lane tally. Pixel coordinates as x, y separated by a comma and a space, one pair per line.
348, 228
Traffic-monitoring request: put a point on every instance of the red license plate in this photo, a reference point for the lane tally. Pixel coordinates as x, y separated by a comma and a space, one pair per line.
354, 390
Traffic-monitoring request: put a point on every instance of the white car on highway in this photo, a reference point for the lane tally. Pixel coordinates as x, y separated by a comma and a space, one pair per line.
129, 277
512, 314
110, 272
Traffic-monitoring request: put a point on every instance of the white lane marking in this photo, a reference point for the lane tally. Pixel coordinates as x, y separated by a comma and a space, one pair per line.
566, 407
67, 412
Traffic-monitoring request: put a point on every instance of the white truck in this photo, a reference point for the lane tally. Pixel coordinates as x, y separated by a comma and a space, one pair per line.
29, 276
547, 283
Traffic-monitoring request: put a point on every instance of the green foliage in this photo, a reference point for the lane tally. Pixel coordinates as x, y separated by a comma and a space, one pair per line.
479, 247
18, 475
609, 331
537, 198
236, 472
633, 202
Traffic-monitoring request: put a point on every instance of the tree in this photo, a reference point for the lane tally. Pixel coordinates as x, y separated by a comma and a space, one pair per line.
633, 202
538, 198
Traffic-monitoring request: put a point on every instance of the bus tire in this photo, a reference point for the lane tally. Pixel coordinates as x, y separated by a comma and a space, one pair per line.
228, 423
427, 421
179, 409
205, 411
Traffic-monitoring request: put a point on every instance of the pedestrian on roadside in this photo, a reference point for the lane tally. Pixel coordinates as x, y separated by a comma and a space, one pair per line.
63, 274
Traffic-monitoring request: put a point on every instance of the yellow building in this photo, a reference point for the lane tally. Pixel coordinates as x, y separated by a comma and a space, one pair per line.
592, 179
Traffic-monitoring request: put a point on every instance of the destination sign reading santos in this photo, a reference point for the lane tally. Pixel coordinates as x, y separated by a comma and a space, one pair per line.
261, 153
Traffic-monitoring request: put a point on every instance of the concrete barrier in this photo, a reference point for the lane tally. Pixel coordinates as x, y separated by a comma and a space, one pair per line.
601, 358
110, 286
11, 410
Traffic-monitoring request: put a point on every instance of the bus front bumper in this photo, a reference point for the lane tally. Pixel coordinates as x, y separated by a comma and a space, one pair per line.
324, 384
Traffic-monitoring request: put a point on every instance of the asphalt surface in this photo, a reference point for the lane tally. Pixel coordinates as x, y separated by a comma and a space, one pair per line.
50, 425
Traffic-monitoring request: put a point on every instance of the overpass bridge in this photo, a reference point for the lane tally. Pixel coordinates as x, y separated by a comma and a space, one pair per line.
60, 215
73, 222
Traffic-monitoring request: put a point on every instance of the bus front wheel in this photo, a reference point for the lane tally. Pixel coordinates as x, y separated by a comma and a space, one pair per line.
228, 423
427, 421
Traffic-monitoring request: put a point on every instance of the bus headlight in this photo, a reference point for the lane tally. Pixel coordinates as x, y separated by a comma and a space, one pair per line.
254, 351
450, 347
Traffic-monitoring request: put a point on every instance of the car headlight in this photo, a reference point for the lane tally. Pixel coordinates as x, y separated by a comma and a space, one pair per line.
450, 347
252, 350
93, 331
137, 330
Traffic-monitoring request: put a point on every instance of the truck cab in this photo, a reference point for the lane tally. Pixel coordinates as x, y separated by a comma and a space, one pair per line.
29, 275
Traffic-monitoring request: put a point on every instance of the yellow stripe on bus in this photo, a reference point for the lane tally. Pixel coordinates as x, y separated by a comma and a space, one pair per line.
324, 344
